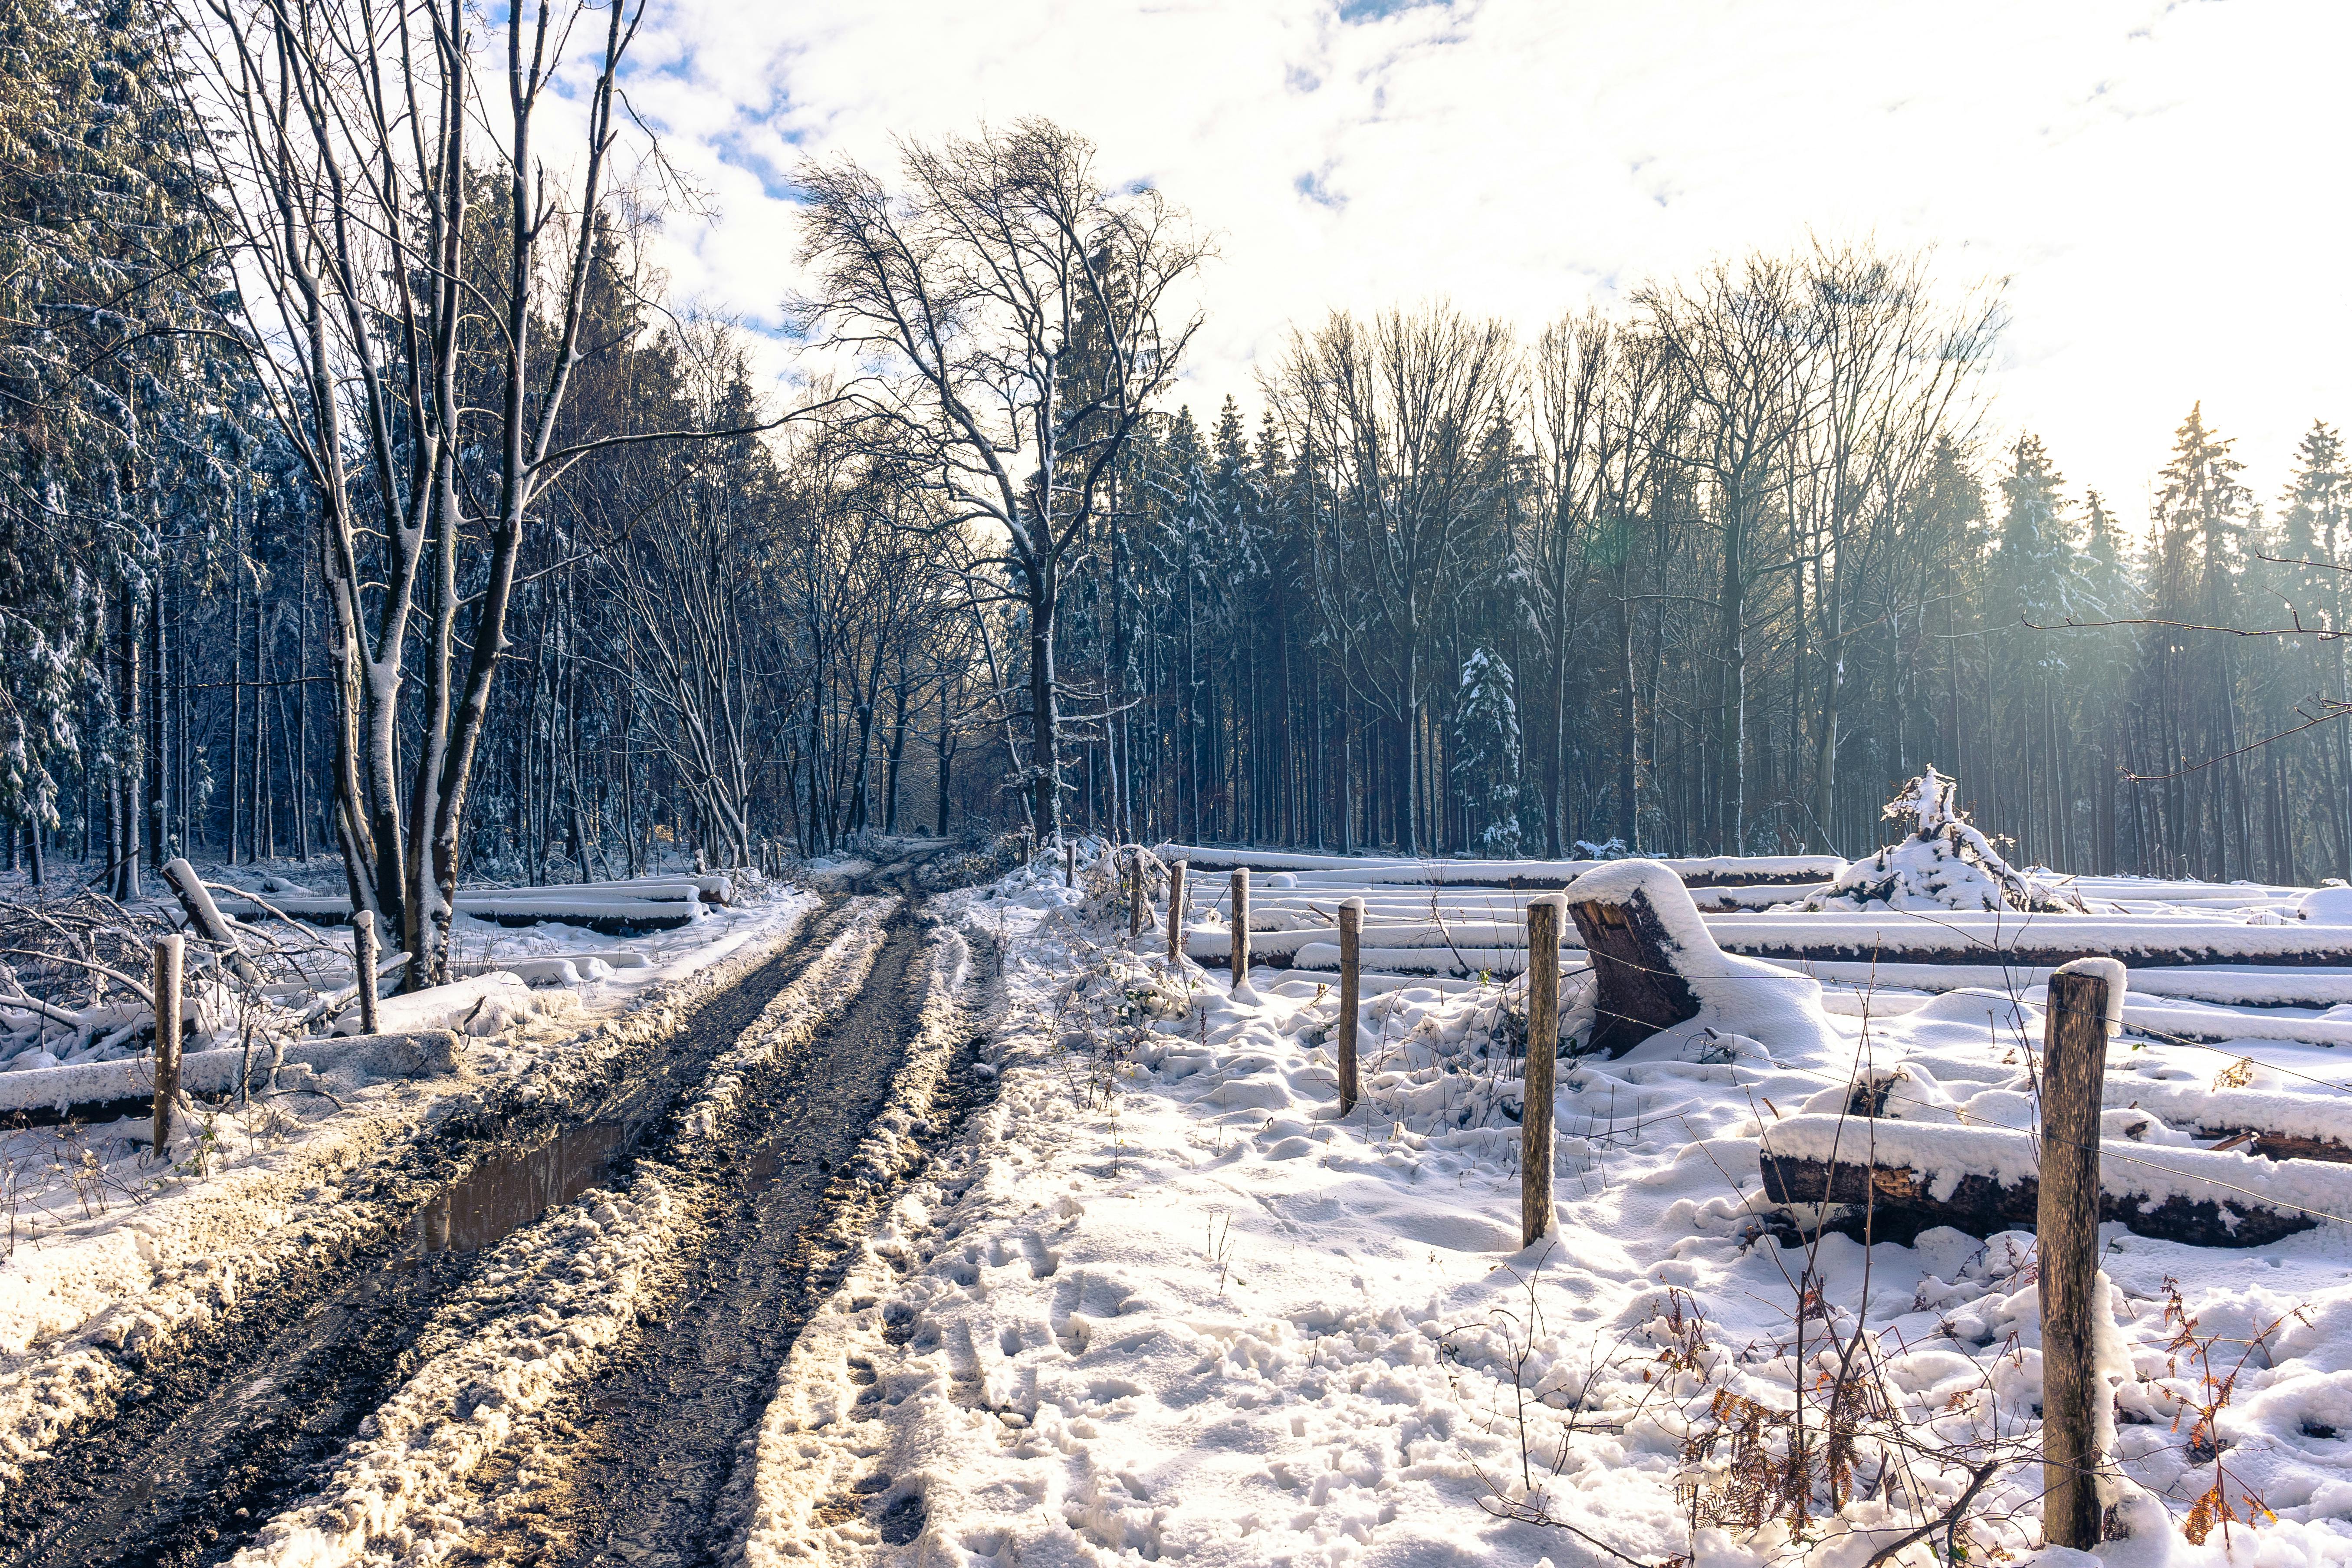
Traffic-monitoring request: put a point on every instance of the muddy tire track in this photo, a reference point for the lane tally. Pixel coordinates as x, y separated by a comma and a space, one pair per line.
217, 1434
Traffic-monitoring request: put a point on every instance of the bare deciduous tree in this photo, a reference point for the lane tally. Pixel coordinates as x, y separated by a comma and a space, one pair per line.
1024, 311
418, 266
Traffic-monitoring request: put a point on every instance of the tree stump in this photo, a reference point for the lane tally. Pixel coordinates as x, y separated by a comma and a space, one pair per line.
1640, 992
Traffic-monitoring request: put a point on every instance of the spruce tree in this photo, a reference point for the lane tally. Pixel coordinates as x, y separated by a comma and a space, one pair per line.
1486, 752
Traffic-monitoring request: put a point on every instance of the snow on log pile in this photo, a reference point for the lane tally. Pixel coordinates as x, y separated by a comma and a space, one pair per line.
1351, 871
95, 1091
619, 908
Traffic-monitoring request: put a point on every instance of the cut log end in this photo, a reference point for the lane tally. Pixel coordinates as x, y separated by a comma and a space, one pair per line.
1640, 992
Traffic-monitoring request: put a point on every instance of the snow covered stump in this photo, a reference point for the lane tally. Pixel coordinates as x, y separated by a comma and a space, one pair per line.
2076, 1406
1635, 918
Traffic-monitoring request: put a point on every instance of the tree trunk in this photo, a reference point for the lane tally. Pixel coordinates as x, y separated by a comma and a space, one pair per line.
1045, 707
1731, 757
123, 878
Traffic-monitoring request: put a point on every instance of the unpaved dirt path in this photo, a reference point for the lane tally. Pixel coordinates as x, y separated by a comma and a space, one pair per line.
219, 1438
639, 1467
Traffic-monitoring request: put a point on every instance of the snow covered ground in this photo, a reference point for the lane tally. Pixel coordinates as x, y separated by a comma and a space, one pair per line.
1162, 1302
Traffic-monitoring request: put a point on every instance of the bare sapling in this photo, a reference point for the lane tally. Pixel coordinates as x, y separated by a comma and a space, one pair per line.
171, 953
1352, 991
2074, 1076
1545, 915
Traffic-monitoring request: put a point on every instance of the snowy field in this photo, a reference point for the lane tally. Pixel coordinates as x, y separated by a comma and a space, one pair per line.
1164, 1302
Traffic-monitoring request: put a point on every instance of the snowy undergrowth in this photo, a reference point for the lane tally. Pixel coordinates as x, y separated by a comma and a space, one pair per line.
97, 1284
1161, 1302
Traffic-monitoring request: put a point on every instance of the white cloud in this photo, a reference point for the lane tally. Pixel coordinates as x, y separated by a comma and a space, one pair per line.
2162, 182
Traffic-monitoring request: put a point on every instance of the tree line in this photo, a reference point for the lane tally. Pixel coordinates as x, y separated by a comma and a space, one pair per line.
363, 494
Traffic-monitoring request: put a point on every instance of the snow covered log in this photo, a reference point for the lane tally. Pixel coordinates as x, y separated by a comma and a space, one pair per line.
2260, 1122
1980, 1180
204, 916
665, 907
499, 995
1209, 945
2042, 942
1348, 870
105, 1092
1883, 946
2222, 985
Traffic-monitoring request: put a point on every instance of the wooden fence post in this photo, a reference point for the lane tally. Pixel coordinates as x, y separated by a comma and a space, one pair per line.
1352, 995
1134, 891
1240, 950
1069, 862
171, 955
1177, 893
2074, 1075
364, 959
1544, 918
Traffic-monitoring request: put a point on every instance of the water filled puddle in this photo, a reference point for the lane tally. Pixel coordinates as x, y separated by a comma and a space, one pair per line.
513, 1187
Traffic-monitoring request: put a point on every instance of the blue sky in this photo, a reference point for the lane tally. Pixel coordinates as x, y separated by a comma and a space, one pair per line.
2164, 185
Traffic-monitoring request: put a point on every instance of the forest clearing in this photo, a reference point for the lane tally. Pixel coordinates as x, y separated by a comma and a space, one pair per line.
1321, 783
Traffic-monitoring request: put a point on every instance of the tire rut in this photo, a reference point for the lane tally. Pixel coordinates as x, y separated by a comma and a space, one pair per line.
215, 1438
638, 1467
645, 1454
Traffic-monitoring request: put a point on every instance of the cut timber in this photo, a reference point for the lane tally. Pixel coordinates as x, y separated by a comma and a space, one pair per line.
1916, 1175
93, 1092
1793, 871
2038, 941
2280, 1124
1632, 956
613, 914
2279, 1145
